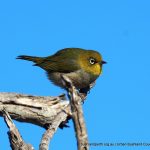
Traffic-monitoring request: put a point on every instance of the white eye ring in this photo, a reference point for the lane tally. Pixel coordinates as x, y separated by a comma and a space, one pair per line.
92, 61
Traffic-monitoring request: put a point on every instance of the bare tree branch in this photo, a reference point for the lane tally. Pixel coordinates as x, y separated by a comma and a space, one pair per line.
77, 115
33, 109
15, 138
47, 136
48, 112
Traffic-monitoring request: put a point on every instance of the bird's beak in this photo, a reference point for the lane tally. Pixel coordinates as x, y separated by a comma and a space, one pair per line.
103, 62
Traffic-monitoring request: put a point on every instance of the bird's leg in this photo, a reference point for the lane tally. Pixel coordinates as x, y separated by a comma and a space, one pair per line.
64, 123
85, 91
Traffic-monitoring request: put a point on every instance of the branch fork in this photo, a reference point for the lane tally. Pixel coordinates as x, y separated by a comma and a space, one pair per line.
41, 111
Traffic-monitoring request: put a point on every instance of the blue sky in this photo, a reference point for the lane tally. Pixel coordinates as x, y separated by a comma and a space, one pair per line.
117, 109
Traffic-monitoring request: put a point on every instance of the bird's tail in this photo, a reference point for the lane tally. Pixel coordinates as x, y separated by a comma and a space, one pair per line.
36, 60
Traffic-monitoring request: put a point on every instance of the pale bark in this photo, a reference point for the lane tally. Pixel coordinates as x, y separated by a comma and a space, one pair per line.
77, 115
16, 141
37, 110
47, 112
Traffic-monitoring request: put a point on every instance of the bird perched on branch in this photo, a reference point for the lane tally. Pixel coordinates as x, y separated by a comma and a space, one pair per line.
81, 66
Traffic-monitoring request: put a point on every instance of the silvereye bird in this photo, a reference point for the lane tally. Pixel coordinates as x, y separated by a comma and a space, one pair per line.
81, 66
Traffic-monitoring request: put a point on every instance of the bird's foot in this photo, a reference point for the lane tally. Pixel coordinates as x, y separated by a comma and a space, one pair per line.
82, 96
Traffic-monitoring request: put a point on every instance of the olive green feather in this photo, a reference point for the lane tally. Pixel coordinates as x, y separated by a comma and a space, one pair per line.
34, 59
57, 62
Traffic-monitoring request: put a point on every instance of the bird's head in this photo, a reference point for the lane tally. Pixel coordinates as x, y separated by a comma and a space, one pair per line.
91, 61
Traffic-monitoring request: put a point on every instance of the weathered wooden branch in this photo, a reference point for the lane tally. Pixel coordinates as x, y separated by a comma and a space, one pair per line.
77, 115
47, 136
33, 109
15, 138
47, 112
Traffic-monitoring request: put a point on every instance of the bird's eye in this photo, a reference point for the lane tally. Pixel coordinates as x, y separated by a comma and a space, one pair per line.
92, 61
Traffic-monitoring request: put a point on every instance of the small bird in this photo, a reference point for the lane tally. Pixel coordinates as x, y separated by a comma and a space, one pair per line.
81, 66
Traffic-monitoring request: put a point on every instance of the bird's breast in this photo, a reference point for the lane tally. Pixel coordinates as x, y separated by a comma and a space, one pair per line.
79, 78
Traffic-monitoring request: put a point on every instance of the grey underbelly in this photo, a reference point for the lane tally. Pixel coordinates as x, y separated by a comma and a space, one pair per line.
79, 78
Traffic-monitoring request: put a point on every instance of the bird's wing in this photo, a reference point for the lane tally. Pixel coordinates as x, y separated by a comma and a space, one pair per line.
59, 64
